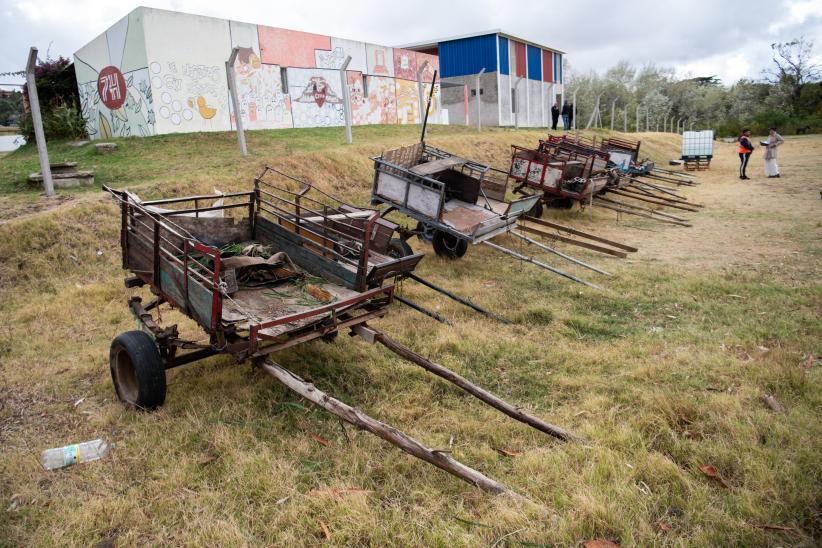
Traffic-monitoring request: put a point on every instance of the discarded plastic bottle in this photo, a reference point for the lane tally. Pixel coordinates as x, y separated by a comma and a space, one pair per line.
60, 457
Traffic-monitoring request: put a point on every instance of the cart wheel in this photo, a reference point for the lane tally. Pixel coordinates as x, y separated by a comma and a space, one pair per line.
399, 248
137, 370
425, 232
536, 211
561, 203
329, 338
449, 246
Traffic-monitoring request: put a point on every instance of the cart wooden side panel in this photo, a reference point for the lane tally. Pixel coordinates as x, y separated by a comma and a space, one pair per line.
269, 232
426, 199
159, 257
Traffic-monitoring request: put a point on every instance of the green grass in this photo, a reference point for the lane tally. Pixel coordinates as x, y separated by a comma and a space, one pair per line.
662, 373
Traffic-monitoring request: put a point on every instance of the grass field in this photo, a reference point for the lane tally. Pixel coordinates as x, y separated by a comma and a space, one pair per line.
663, 373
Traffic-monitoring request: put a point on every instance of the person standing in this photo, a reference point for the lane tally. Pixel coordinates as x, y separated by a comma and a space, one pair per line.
745, 150
554, 115
774, 140
566, 116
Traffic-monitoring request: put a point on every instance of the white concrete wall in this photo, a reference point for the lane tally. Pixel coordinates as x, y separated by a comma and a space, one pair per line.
535, 110
316, 97
120, 52
186, 56
173, 67
340, 49
506, 118
264, 104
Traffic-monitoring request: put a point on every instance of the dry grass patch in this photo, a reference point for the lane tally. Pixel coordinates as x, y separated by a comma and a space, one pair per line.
663, 374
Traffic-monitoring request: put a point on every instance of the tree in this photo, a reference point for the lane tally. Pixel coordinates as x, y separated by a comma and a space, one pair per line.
11, 107
794, 70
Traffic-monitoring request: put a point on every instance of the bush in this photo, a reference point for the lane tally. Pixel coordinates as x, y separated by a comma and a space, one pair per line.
59, 102
59, 122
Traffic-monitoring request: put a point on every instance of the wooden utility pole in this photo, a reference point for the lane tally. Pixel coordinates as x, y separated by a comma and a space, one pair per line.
37, 121
231, 76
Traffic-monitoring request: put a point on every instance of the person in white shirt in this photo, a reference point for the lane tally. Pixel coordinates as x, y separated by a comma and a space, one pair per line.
774, 140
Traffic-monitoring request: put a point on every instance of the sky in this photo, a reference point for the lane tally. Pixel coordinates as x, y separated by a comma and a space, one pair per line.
695, 37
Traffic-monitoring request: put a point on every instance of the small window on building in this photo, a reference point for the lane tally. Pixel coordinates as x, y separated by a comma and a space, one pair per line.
364, 85
474, 92
284, 79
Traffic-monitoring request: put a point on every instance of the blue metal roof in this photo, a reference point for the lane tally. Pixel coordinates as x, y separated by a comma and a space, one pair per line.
468, 55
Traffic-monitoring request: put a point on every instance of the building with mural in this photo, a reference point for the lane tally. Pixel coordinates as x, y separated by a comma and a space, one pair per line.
156, 72
521, 79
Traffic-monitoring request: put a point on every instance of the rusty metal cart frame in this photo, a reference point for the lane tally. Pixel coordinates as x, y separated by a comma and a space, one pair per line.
548, 173
177, 254
456, 201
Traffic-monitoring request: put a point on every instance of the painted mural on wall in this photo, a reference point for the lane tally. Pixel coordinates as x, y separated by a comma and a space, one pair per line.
380, 60
188, 83
436, 114
316, 97
340, 49
115, 95
430, 63
157, 72
405, 64
263, 104
378, 106
120, 109
408, 102
290, 48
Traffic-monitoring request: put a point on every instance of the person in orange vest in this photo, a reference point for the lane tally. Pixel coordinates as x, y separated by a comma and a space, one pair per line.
745, 149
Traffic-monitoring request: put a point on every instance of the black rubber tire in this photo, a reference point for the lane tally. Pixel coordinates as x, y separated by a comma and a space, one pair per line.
448, 246
425, 233
537, 210
329, 338
399, 248
137, 371
561, 203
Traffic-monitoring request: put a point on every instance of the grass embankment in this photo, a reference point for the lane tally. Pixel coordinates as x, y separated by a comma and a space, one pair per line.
663, 373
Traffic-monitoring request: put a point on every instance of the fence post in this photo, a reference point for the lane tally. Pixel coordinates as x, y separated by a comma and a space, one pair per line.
479, 102
37, 120
231, 76
465, 104
347, 100
574, 108
594, 114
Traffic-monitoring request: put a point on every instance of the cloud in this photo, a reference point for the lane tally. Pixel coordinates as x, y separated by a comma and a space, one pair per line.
699, 36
